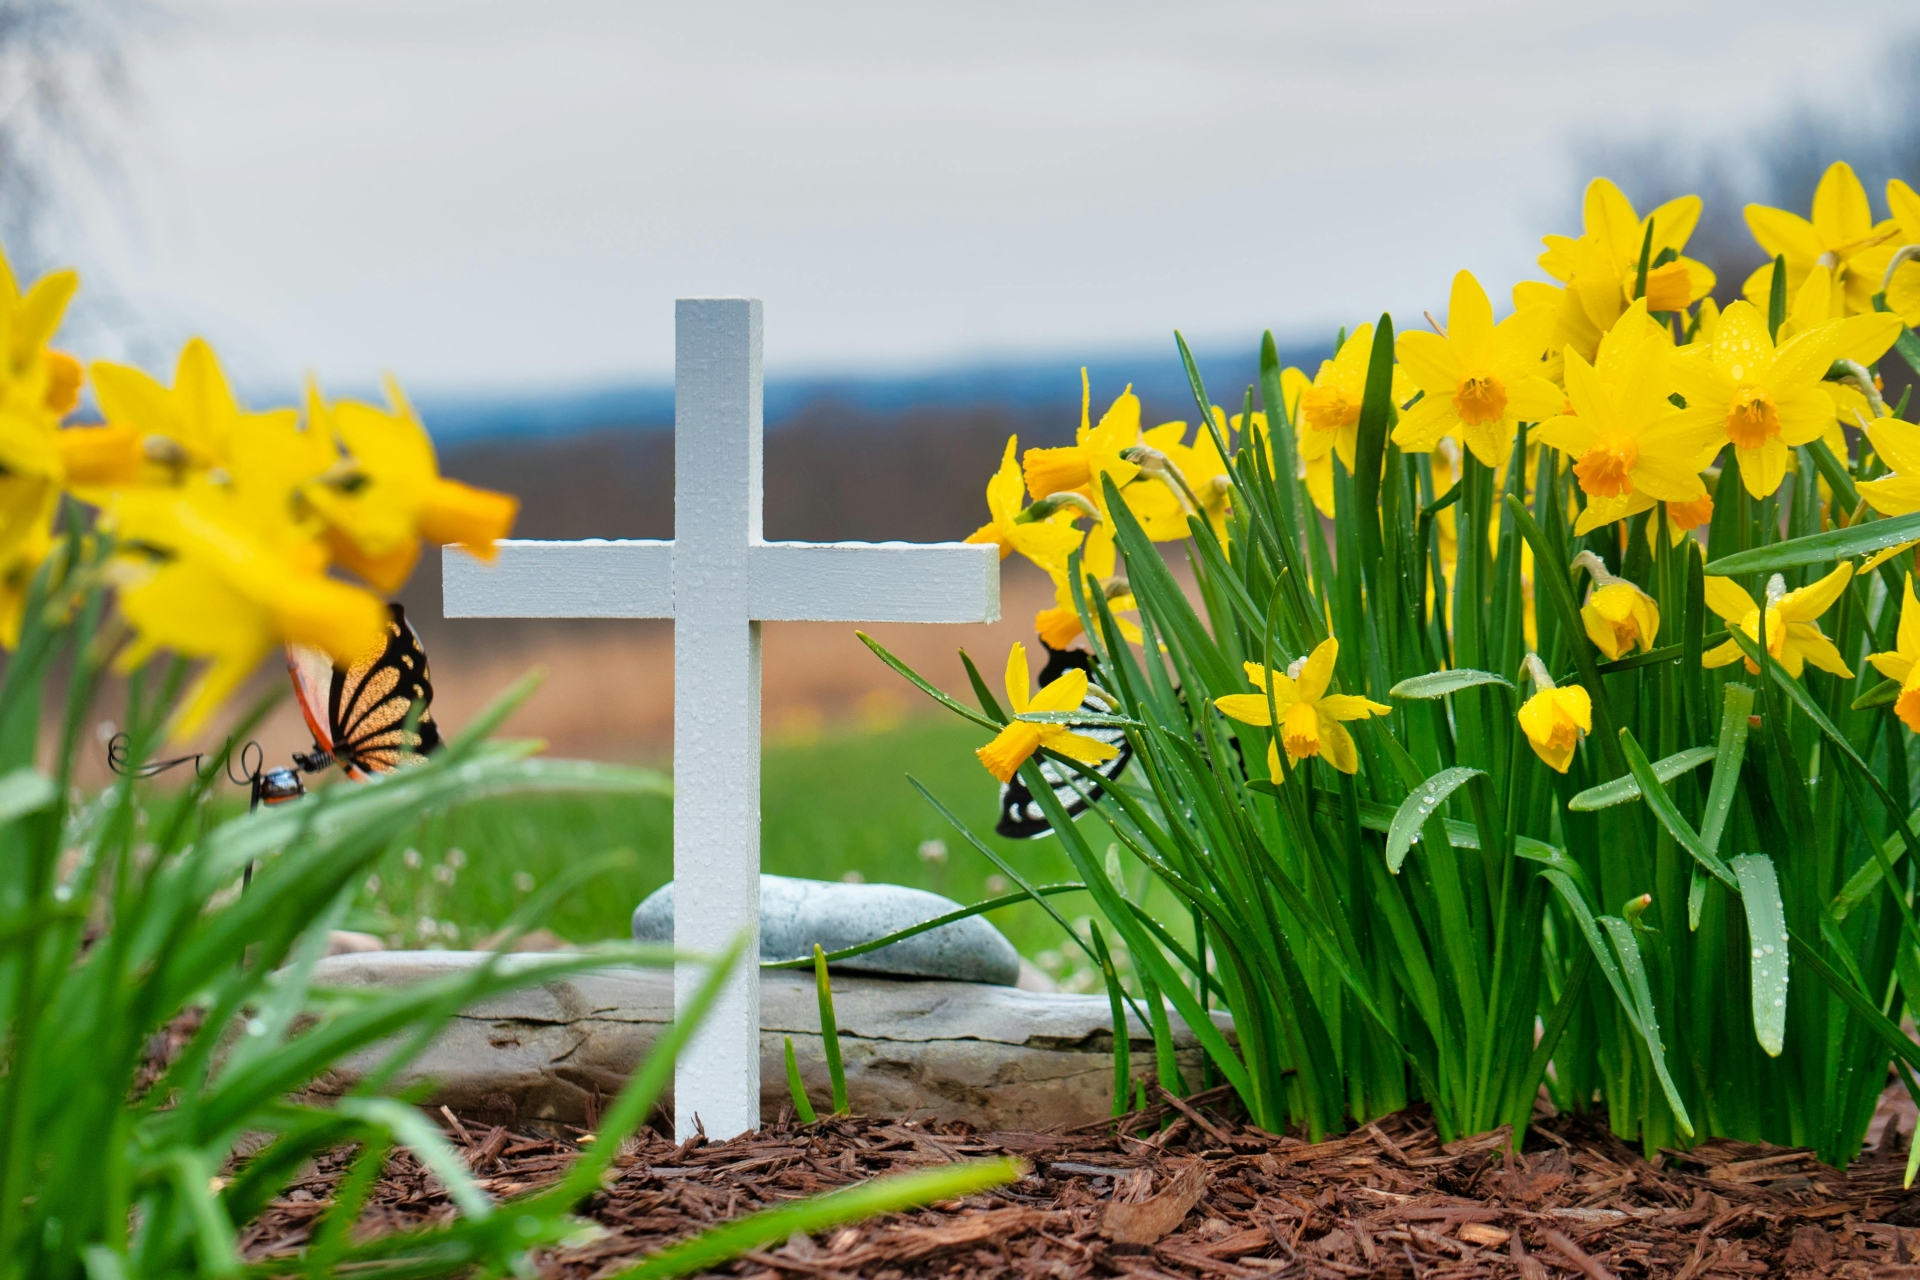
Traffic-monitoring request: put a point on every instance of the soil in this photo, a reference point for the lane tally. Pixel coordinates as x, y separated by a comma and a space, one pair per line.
1200, 1195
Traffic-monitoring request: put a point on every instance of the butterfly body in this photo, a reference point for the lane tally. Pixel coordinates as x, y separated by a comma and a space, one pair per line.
371, 717
1021, 817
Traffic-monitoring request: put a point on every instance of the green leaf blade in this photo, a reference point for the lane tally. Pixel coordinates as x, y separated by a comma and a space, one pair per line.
1438, 684
1420, 806
1767, 930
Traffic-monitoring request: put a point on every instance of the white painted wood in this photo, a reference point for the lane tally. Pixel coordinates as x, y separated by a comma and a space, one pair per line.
716, 702
876, 582
718, 580
594, 578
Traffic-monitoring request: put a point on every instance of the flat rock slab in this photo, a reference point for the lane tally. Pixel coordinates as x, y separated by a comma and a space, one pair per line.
996, 1057
796, 913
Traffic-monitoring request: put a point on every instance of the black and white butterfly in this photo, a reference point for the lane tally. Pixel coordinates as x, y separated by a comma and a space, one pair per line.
372, 717
1021, 817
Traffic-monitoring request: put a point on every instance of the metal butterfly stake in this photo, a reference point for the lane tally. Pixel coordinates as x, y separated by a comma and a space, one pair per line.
369, 718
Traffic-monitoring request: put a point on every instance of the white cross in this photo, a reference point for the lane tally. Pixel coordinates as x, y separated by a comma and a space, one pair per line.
718, 580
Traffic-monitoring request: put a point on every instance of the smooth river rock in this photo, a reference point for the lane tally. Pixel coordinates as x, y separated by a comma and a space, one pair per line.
992, 1056
795, 914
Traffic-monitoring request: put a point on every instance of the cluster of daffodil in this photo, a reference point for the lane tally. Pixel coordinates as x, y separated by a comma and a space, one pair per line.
225, 521
1516, 580
1625, 365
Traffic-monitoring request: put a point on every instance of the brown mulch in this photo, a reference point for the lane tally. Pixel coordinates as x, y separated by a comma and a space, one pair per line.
1203, 1198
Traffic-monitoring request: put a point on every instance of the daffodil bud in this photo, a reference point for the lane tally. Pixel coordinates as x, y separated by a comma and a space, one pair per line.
1618, 615
1554, 719
1636, 907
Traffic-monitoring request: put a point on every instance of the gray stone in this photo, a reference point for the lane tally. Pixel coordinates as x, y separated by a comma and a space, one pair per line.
994, 1057
795, 914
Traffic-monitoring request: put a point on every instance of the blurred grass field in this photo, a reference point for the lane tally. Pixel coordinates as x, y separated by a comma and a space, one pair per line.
836, 807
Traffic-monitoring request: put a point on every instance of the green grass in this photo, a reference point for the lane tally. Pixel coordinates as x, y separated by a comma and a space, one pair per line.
832, 808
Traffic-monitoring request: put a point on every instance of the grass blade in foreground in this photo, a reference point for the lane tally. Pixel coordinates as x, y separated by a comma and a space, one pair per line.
882, 1195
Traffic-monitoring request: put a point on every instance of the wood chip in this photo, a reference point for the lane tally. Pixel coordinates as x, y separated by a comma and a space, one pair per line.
1385, 1199
1157, 1216
1483, 1234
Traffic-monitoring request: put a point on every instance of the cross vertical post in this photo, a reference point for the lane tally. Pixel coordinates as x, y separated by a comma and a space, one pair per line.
716, 714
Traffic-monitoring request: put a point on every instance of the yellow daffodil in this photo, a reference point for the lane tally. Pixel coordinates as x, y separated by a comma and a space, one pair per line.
1481, 380
1600, 268
1794, 637
1765, 399
1898, 444
1328, 417
387, 494
38, 386
1095, 451
1902, 662
1902, 275
154, 434
1555, 718
1841, 235
1046, 541
1630, 445
36, 381
221, 567
1013, 745
1618, 615
1310, 717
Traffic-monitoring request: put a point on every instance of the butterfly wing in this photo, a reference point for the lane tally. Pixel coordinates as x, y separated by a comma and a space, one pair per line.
370, 704
312, 672
1021, 817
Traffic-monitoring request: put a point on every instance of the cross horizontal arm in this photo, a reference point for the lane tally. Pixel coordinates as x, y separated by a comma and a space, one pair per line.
594, 578
875, 582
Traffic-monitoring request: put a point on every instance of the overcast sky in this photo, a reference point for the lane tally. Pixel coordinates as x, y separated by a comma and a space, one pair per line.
476, 193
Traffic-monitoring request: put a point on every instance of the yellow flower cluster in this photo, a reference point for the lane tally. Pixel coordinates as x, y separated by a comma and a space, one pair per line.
224, 521
1622, 364
1036, 504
